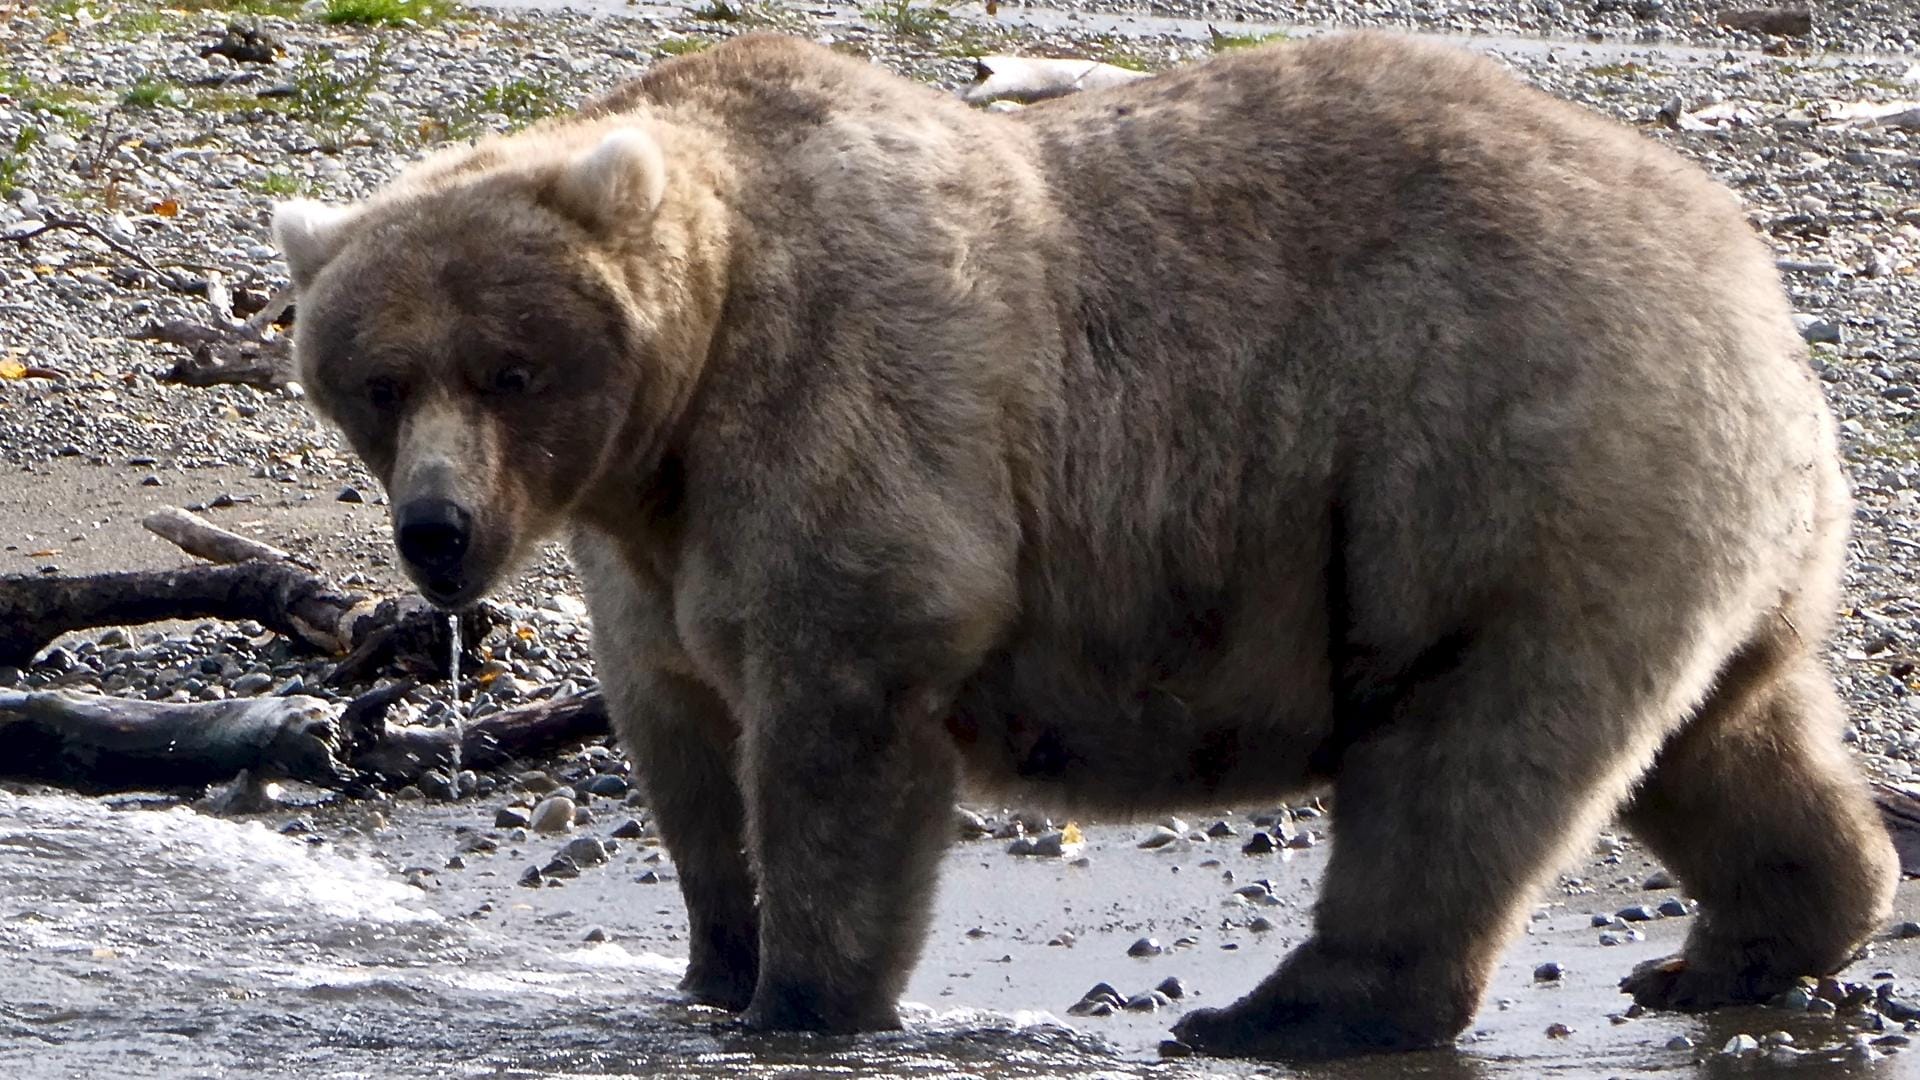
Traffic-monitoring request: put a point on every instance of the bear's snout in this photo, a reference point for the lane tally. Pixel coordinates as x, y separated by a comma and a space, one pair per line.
433, 535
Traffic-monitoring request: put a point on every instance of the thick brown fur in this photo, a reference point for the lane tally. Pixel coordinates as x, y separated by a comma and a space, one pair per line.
1342, 412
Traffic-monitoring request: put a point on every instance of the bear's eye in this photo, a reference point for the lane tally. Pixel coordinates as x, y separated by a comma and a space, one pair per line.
512, 379
384, 392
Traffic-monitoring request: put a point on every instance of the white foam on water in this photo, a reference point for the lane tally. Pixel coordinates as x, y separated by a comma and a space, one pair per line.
200, 859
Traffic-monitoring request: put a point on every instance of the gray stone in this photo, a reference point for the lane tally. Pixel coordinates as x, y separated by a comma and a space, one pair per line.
1818, 331
608, 786
1740, 1044
510, 817
1161, 836
1547, 972
1146, 946
554, 814
585, 851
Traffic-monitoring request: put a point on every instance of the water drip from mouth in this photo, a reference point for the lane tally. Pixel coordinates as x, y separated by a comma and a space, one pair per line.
453, 681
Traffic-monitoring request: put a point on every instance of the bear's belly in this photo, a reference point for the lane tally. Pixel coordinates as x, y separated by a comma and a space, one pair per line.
1060, 730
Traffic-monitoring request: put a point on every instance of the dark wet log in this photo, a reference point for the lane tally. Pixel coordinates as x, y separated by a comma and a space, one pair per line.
403, 633
1900, 809
399, 754
34, 610
98, 744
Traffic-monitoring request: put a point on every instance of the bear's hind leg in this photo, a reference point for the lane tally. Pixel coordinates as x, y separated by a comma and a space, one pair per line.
1755, 807
684, 742
1449, 818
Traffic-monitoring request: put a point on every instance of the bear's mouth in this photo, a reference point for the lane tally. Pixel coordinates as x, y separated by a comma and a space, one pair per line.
452, 593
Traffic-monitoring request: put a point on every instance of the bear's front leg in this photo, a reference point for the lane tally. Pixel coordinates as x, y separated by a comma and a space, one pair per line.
849, 798
684, 744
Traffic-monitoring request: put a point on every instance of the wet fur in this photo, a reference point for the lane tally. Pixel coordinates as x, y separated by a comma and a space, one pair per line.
1339, 413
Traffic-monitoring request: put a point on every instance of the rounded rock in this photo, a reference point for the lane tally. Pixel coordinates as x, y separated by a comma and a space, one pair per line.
554, 814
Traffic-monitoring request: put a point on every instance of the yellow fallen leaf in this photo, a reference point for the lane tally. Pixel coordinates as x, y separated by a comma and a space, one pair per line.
525, 633
167, 208
1071, 834
58, 37
12, 369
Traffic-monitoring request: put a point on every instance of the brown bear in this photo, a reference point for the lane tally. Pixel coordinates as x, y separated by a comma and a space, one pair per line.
1339, 413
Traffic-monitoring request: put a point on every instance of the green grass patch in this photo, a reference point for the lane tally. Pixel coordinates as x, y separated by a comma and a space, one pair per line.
153, 93
683, 46
718, 11
283, 9
13, 161
1614, 71
385, 12
519, 102
62, 103
1122, 54
1229, 42
331, 96
904, 19
279, 184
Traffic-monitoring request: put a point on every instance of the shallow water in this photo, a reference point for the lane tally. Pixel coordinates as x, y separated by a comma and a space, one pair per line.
167, 944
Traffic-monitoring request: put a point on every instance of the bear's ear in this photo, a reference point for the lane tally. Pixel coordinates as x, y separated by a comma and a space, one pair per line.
617, 184
310, 234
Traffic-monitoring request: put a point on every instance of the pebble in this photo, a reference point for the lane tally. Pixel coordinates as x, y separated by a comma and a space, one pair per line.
1161, 836
971, 825
553, 814
1793, 999
630, 830
1740, 1044
510, 817
1679, 1043
1659, 879
1637, 913
1172, 988
1146, 946
252, 683
1547, 972
1257, 844
597, 934
1101, 997
1260, 924
1673, 907
585, 851
607, 786
561, 867
1150, 1001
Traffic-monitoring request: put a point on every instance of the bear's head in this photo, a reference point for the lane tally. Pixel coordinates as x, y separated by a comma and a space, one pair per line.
501, 333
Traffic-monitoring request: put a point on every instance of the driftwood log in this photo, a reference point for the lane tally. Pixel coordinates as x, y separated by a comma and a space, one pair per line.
404, 633
1900, 809
99, 744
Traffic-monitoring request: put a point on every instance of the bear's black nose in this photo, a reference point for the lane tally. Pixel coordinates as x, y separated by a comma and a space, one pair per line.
433, 534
